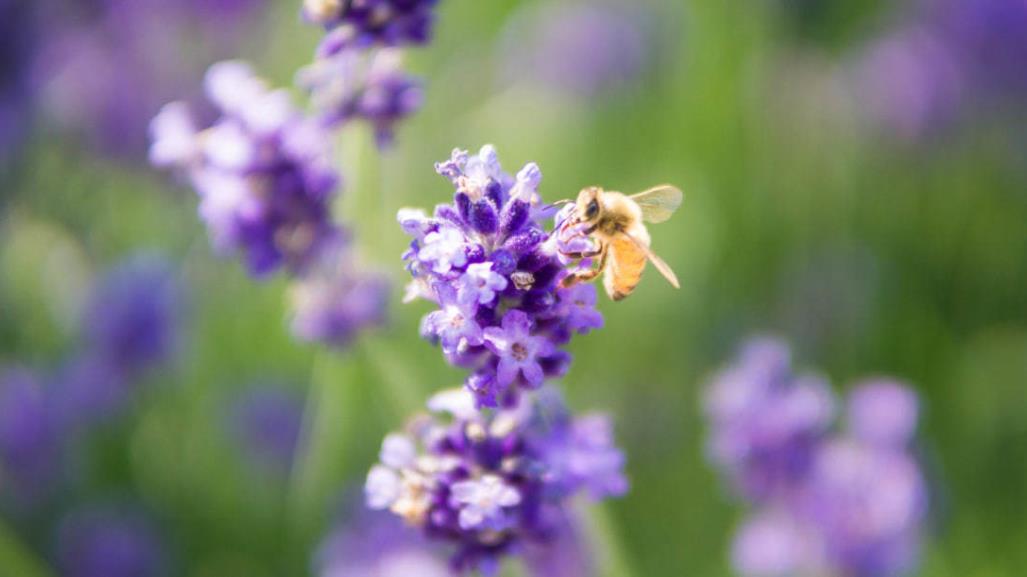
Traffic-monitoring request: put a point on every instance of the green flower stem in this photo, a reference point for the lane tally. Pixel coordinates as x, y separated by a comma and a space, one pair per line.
599, 526
17, 559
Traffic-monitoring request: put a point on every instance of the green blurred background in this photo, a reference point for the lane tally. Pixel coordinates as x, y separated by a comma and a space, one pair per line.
872, 254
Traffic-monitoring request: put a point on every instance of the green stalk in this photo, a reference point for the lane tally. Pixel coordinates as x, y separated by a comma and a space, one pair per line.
611, 558
17, 559
320, 468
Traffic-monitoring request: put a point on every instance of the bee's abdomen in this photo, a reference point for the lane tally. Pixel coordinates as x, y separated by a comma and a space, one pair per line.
625, 268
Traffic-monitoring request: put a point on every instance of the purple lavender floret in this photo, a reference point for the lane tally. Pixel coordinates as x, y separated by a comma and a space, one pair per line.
882, 412
493, 484
101, 541
262, 170
29, 442
765, 421
494, 272
351, 86
364, 23
772, 544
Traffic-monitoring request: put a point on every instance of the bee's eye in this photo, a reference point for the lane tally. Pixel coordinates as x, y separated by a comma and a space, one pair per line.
592, 209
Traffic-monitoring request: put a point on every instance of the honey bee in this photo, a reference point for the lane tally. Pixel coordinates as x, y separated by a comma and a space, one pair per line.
615, 222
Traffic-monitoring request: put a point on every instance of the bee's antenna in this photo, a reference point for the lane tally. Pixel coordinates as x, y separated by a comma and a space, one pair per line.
566, 223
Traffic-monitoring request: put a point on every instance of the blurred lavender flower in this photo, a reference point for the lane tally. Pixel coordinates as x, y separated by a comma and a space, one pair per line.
349, 85
267, 422
494, 272
29, 443
130, 326
947, 57
18, 40
882, 412
583, 48
765, 421
991, 39
134, 314
263, 171
110, 542
377, 545
106, 70
865, 506
336, 300
90, 390
491, 484
363, 23
857, 505
913, 81
567, 554
771, 544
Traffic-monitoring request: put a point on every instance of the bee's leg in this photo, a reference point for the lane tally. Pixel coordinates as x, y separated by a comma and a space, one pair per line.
590, 274
581, 255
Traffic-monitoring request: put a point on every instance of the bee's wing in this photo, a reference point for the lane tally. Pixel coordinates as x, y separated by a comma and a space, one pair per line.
659, 202
661, 266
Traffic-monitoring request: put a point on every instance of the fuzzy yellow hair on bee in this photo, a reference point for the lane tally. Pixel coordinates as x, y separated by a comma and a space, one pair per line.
616, 224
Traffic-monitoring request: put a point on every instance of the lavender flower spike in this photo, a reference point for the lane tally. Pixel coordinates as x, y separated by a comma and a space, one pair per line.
493, 270
765, 421
851, 502
364, 23
491, 484
262, 170
349, 86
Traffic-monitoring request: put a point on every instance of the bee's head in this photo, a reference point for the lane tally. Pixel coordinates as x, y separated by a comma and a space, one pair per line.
588, 206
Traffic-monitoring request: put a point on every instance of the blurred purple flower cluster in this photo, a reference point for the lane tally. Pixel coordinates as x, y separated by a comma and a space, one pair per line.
494, 272
267, 423
104, 67
494, 483
18, 41
129, 329
848, 503
585, 49
263, 169
110, 541
352, 85
358, 71
947, 56
263, 172
367, 22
